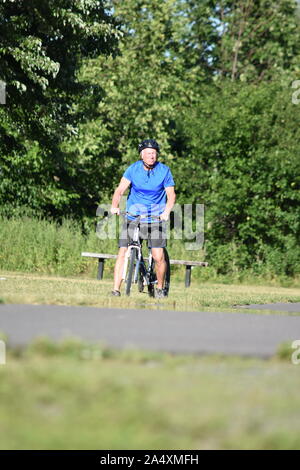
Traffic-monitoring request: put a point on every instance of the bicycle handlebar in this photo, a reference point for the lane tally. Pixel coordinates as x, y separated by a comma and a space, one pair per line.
141, 216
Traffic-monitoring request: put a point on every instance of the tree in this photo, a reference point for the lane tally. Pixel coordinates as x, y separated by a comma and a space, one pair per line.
244, 165
257, 38
146, 87
43, 44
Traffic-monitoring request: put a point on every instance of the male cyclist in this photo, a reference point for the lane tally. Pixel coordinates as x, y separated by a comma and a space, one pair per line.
151, 194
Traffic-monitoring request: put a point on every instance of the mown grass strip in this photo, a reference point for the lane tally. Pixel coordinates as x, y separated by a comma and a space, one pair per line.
74, 395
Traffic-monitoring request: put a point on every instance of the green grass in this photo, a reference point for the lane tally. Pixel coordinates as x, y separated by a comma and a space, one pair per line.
78, 396
37, 289
74, 395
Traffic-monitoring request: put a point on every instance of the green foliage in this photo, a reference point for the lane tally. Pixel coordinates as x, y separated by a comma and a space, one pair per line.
210, 80
145, 88
258, 39
43, 44
244, 161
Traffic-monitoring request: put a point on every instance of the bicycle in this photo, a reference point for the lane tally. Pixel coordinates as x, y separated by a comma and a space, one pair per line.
136, 270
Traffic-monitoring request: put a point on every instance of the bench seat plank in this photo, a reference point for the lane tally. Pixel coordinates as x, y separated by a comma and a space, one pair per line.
172, 261
188, 263
99, 255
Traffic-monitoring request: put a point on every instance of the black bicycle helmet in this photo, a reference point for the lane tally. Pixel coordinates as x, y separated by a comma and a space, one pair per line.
148, 144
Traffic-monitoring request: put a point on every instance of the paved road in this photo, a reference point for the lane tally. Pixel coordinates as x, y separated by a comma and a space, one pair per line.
160, 330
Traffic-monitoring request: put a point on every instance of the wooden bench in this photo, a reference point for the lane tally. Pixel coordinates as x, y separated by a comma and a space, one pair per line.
188, 264
188, 268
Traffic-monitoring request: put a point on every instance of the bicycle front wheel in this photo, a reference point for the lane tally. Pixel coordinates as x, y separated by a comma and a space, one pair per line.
131, 270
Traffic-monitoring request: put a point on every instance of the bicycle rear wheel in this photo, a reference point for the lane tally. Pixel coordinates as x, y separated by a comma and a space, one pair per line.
131, 270
151, 275
152, 280
141, 276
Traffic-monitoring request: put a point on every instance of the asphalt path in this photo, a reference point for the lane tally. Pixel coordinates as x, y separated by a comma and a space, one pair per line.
245, 334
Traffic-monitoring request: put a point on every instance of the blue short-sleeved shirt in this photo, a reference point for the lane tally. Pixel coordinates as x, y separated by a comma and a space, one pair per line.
147, 193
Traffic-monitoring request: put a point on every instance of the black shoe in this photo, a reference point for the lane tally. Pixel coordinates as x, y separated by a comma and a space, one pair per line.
159, 293
116, 293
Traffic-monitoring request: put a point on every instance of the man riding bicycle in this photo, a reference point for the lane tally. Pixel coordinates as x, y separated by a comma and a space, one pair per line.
151, 194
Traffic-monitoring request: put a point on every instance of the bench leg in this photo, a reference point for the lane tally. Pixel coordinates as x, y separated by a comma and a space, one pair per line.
188, 272
100, 268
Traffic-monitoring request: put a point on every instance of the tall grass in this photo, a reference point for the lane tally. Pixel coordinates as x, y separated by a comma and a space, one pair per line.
37, 245
44, 246
32, 244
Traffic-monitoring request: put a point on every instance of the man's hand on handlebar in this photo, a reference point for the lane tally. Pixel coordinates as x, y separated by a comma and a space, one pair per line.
115, 210
164, 216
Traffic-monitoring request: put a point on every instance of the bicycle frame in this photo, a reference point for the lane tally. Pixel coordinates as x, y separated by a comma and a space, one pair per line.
147, 272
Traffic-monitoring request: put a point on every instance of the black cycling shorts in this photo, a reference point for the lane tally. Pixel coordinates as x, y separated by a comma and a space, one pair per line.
155, 233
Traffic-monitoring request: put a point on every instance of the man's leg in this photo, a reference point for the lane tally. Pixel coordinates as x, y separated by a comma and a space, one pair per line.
160, 266
119, 268
118, 271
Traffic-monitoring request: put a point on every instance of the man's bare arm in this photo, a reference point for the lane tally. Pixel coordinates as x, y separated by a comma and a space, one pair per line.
171, 198
124, 184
